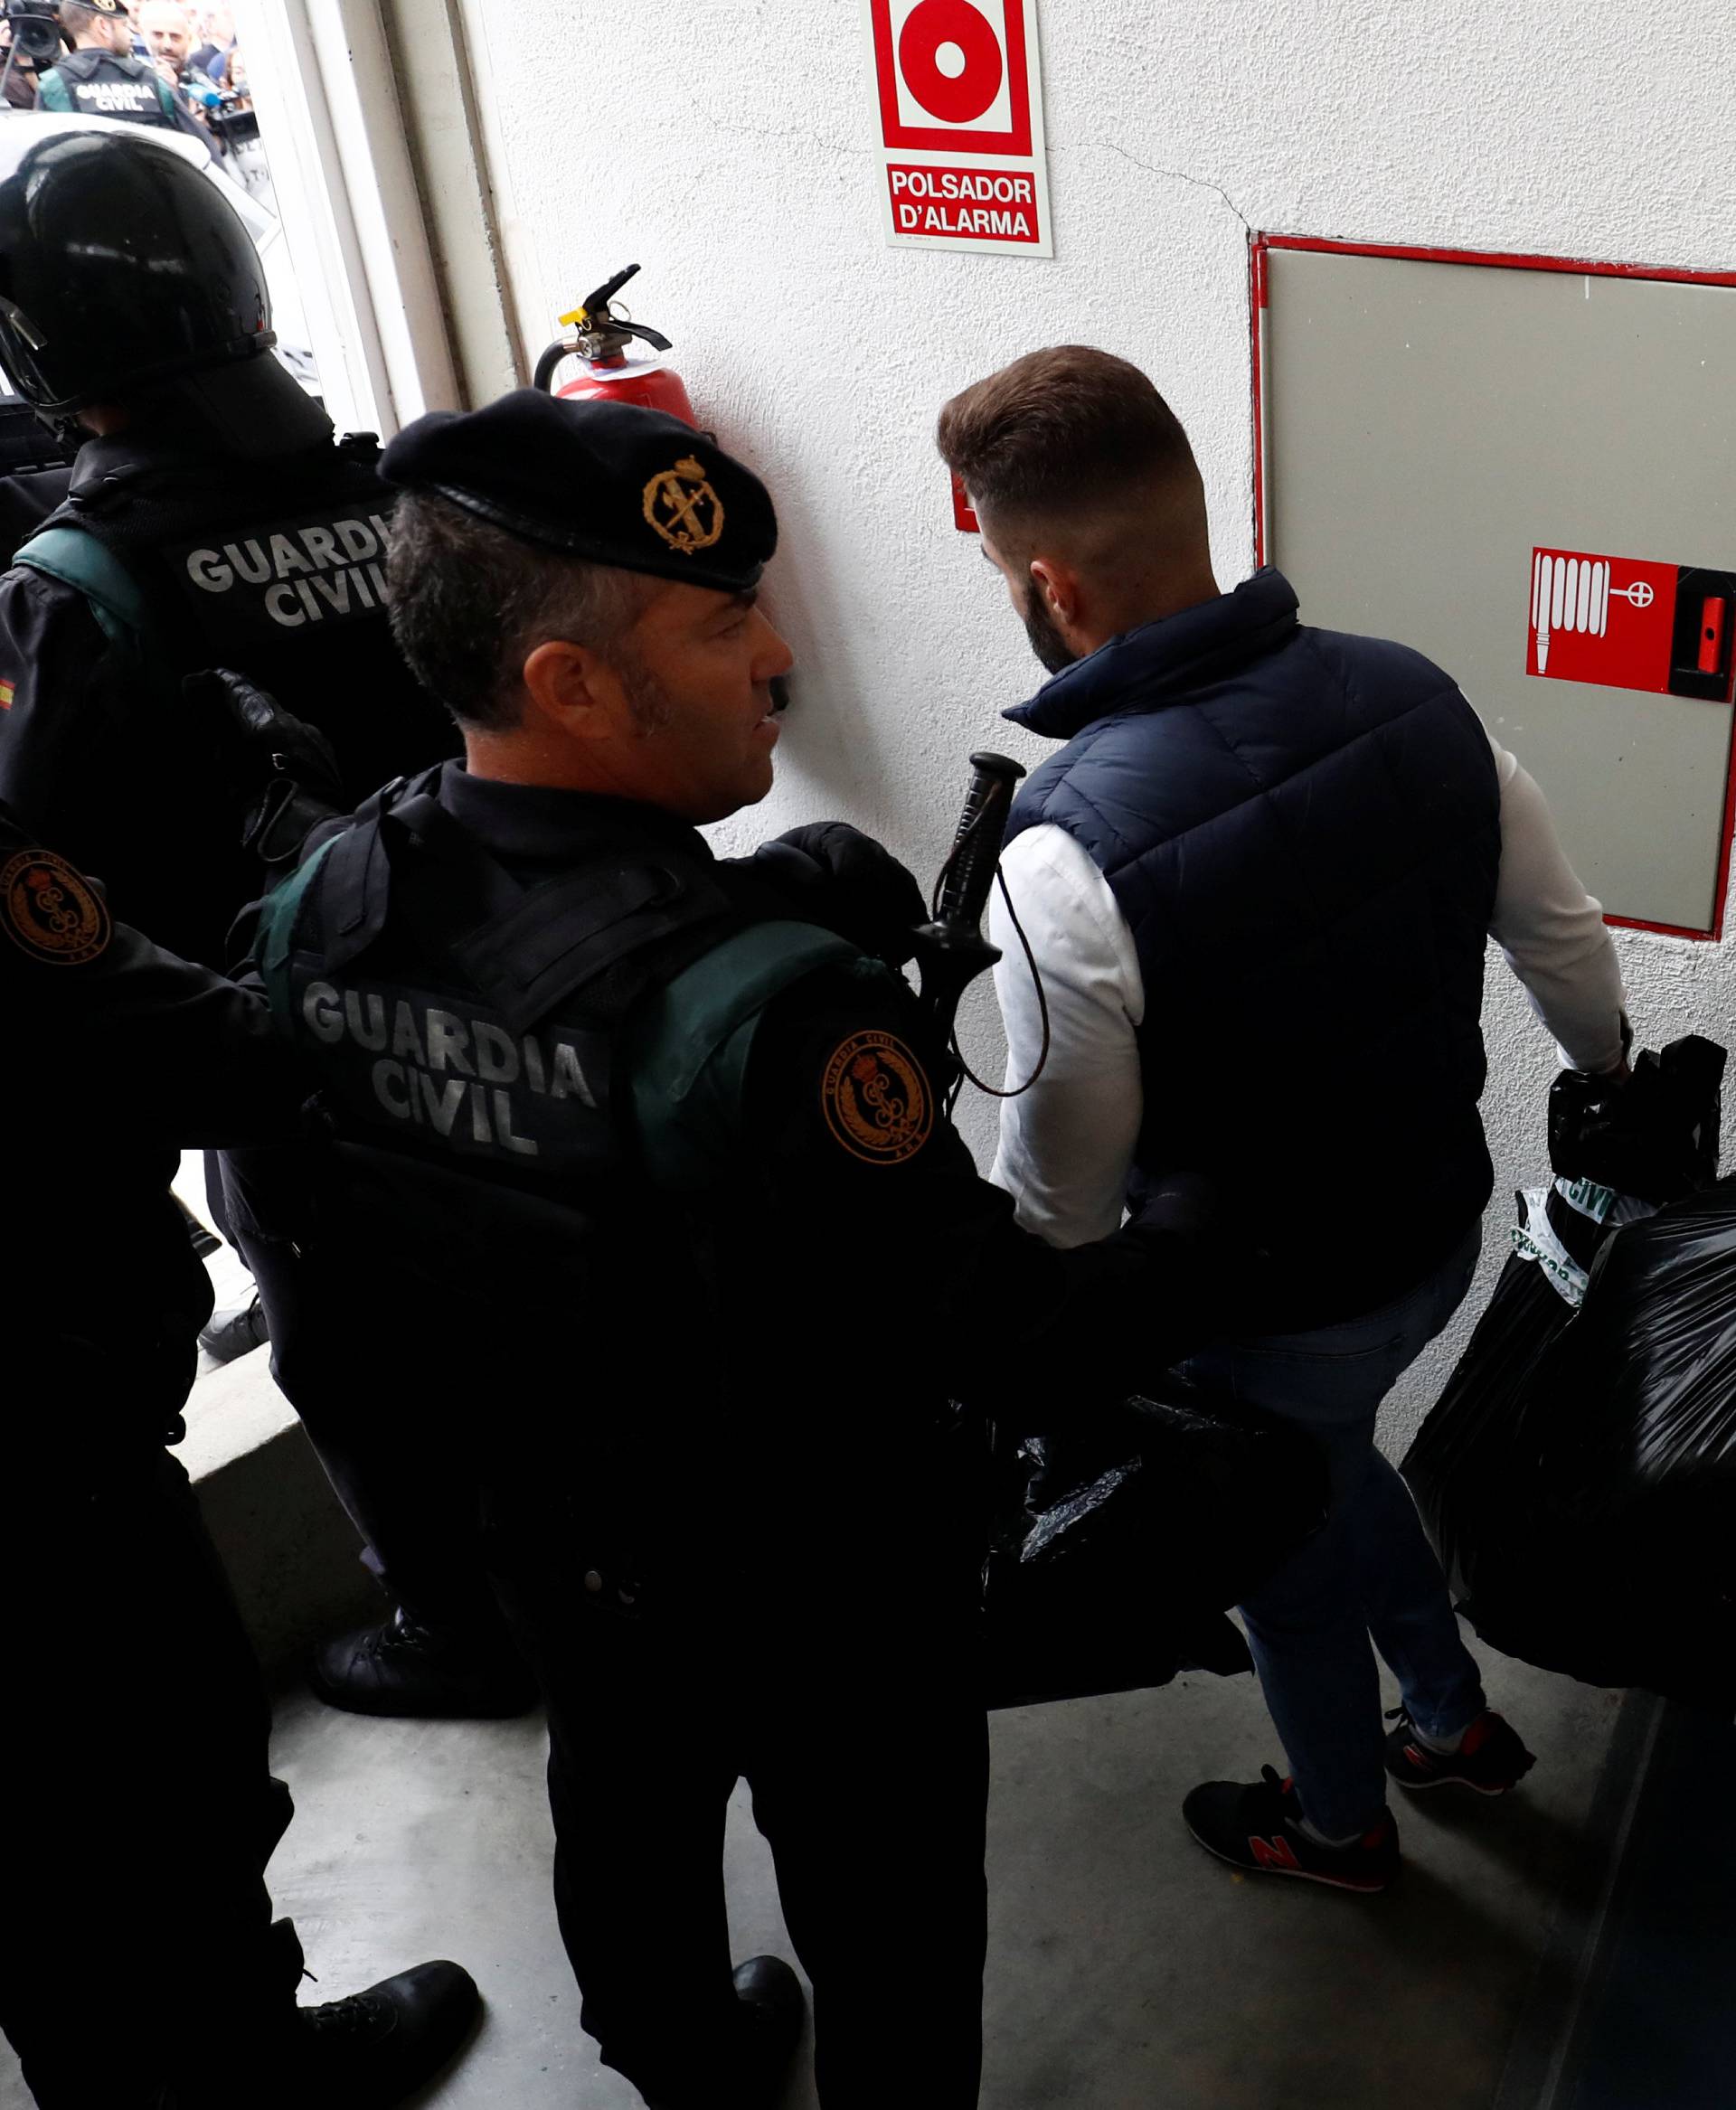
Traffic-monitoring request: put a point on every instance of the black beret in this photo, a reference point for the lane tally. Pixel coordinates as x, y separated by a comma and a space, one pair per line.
613, 482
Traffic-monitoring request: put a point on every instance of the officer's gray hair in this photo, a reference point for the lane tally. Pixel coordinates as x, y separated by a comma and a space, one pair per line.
470, 603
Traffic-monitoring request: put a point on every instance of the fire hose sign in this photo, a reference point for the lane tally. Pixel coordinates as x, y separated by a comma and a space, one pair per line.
958, 115
1626, 623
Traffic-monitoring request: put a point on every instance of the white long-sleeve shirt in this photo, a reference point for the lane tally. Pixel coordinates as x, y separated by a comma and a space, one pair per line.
1066, 1145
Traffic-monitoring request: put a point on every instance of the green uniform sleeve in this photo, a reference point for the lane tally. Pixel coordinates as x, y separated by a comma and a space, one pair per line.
686, 1060
51, 93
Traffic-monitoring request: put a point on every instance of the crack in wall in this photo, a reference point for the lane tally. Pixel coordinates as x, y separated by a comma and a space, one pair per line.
819, 139
1179, 175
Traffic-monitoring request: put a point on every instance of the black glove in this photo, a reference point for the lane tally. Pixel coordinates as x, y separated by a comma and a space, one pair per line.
281, 770
835, 875
1210, 1275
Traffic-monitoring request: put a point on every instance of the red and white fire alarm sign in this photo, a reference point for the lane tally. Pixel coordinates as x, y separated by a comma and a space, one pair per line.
1625, 622
958, 115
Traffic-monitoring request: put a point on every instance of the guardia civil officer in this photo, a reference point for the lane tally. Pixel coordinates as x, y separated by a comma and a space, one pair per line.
212, 521
101, 78
139, 1966
650, 1157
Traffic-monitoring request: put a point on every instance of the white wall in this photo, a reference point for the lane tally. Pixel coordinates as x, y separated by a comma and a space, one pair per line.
723, 145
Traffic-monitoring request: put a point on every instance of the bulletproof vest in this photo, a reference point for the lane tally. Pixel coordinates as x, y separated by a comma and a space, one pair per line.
481, 1222
106, 84
275, 569
467, 1027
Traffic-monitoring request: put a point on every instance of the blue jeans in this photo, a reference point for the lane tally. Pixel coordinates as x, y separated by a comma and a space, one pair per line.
1370, 1571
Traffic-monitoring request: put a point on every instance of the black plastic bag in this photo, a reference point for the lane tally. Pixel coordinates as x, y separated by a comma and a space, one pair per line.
1118, 1553
1579, 1473
1653, 1358
1627, 1442
1460, 1466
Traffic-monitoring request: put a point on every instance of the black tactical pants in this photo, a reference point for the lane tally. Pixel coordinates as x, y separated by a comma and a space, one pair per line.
395, 1435
860, 1731
137, 1807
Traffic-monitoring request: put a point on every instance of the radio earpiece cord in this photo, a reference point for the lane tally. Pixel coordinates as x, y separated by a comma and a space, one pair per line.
1042, 1063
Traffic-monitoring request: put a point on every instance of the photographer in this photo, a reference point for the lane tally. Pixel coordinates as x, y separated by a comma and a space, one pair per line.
29, 37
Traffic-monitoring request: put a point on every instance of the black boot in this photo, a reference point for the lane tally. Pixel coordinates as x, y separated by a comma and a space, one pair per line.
376, 2048
403, 1668
238, 1332
770, 2009
367, 2052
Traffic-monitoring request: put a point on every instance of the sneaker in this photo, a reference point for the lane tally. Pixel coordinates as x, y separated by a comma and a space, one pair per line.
1258, 1827
1490, 1758
236, 1333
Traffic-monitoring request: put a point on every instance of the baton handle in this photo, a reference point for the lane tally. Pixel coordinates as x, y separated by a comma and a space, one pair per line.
952, 950
969, 869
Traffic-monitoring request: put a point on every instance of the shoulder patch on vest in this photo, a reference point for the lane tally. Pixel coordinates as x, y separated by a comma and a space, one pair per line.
51, 911
876, 1097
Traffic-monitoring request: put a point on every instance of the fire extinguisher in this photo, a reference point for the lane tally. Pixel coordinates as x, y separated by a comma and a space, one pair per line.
601, 341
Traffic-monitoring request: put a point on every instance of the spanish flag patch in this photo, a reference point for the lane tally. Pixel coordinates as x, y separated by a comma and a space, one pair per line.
5, 695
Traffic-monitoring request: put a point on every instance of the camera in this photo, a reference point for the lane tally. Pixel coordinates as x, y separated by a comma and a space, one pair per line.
228, 112
35, 29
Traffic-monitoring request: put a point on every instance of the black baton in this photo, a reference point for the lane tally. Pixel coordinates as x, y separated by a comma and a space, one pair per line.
952, 950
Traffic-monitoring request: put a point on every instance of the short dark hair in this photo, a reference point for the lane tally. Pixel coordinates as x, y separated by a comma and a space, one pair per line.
470, 603
1058, 429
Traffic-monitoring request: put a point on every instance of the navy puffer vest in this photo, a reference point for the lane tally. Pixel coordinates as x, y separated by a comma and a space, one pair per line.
1302, 830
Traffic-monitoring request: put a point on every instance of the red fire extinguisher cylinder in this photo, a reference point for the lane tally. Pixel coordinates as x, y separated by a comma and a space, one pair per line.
653, 387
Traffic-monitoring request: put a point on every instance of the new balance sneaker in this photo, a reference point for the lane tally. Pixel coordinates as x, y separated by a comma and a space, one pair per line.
1258, 1827
1490, 1758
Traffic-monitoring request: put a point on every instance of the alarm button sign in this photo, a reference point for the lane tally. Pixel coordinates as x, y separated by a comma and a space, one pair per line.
959, 117
950, 63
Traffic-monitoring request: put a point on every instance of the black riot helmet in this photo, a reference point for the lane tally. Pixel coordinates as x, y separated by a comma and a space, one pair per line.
122, 267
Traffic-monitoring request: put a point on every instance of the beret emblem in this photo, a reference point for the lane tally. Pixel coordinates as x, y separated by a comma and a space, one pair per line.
683, 507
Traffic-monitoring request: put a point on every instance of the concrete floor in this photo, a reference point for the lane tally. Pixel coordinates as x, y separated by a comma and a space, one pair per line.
1128, 1971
